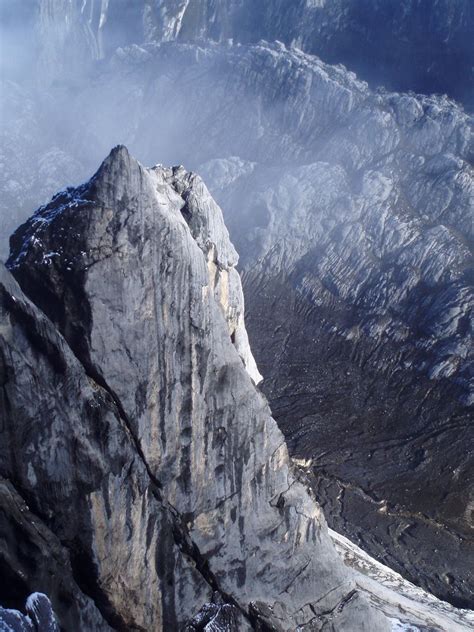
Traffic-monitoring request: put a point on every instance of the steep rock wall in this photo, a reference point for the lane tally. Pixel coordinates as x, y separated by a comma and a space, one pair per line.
352, 212
189, 451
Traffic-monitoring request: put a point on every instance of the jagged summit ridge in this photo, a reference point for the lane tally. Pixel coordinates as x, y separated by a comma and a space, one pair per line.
188, 452
190, 203
350, 209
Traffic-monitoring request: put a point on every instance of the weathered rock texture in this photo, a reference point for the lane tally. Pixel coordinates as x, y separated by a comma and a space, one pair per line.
401, 44
137, 436
352, 210
39, 616
353, 214
355, 229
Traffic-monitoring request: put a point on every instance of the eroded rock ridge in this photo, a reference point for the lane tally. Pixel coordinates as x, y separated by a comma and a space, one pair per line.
150, 463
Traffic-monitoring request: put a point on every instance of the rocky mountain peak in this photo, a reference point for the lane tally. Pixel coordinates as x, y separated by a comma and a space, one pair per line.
122, 206
351, 208
164, 404
352, 213
118, 174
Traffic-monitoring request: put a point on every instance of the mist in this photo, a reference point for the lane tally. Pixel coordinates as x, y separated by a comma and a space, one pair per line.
349, 202
87, 76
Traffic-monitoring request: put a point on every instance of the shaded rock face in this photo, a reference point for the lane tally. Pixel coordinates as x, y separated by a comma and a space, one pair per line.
403, 45
352, 211
146, 452
215, 616
355, 229
39, 618
87, 491
369, 292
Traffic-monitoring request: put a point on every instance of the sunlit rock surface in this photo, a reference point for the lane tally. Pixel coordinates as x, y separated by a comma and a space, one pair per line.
355, 231
145, 447
352, 212
409, 607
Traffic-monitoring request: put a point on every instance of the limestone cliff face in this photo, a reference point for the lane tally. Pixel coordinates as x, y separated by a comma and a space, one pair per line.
95, 530
147, 454
352, 212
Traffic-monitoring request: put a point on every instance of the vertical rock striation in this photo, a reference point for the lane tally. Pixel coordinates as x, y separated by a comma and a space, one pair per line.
143, 416
352, 212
